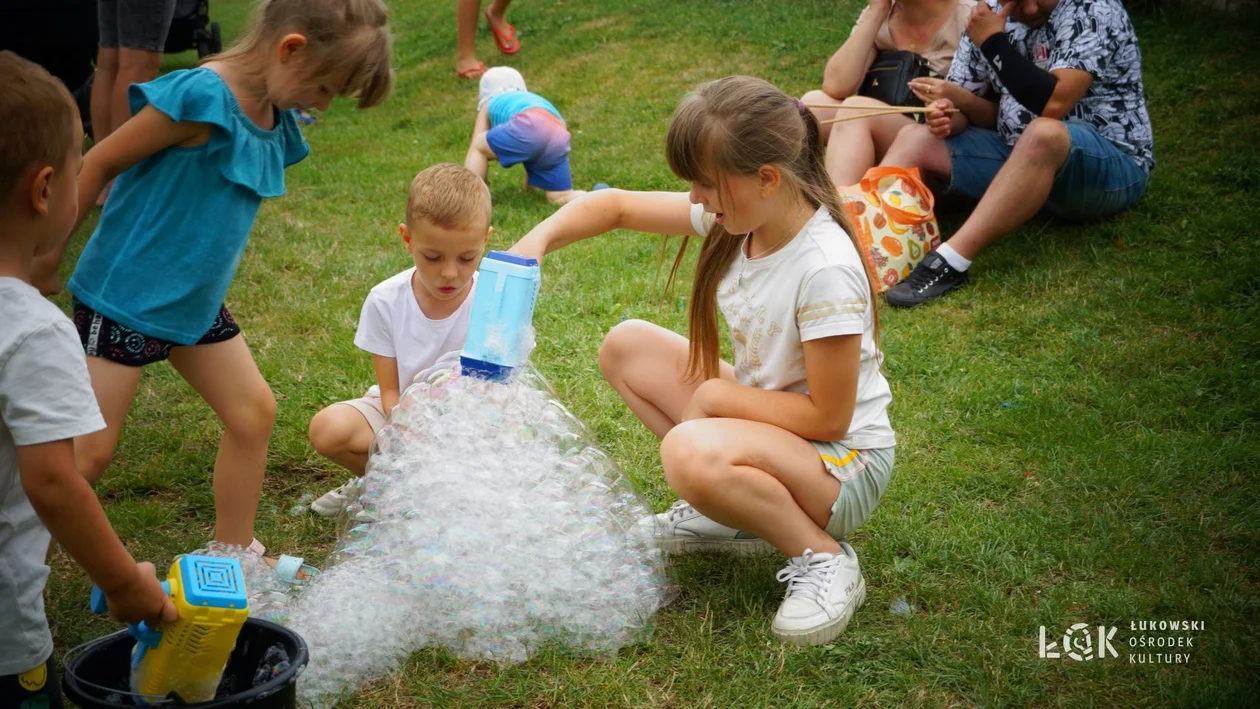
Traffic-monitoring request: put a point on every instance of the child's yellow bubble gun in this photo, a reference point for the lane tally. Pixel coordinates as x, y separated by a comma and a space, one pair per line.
188, 656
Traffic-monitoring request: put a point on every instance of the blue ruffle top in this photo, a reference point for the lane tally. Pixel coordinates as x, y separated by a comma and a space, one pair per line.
176, 223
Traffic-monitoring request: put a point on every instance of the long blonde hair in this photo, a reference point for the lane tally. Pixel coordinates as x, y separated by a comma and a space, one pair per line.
340, 35
734, 126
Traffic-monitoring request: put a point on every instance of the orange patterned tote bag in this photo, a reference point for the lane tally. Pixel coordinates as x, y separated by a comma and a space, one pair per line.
891, 209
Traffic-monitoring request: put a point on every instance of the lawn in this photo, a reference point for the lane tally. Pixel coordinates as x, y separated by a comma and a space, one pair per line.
1079, 430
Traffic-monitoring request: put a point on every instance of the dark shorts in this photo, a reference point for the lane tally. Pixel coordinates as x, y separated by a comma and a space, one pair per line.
102, 337
135, 24
36, 688
538, 139
1097, 179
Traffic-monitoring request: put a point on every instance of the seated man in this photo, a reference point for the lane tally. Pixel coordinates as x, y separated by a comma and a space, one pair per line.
1069, 131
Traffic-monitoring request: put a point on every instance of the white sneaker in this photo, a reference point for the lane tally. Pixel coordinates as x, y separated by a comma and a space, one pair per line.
336, 500
824, 590
683, 529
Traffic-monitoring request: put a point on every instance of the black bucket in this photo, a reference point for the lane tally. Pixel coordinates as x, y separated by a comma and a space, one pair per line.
97, 674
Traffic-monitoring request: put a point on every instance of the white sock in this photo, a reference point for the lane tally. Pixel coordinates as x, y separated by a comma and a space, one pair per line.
953, 258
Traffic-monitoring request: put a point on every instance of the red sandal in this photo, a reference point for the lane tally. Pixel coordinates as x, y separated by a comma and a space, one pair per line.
505, 41
472, 73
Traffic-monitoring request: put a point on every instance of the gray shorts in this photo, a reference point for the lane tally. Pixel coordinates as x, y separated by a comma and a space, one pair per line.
863, 476
135, 24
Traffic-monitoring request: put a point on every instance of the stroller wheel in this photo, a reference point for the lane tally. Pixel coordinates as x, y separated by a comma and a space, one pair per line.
216, 38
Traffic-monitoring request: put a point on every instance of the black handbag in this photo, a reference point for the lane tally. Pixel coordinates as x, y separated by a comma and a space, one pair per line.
888, 78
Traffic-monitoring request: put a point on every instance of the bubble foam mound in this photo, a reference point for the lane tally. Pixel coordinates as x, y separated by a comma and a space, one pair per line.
487, 525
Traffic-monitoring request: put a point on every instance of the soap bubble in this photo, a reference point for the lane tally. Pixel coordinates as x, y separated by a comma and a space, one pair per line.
900, 607
488, 525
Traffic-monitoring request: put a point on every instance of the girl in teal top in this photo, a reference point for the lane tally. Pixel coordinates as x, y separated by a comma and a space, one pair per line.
203, 148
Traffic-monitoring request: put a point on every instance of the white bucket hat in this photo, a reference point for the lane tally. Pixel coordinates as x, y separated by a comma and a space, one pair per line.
499, 80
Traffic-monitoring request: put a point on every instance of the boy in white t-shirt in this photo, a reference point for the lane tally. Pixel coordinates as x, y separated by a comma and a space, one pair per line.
411, 319
46, 397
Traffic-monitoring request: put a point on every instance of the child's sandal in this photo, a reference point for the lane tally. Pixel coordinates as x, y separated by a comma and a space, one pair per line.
287, 568
292, 570
505, 40
472, 73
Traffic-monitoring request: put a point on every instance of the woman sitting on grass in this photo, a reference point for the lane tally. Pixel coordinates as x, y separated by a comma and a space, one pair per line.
930, 28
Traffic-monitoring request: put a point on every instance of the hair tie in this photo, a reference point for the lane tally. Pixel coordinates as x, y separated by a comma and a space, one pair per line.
800, 106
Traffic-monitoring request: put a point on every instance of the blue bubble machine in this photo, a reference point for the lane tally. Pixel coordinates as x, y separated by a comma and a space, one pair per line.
502, 313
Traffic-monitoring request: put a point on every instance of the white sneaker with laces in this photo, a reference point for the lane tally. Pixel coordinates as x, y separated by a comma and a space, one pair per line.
824, 590
336, 500
682, 529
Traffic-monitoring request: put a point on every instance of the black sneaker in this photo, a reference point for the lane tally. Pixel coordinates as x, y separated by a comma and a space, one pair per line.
931, 279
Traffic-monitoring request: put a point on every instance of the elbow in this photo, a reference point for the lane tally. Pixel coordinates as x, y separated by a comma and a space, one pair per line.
839, 90
834, 428
614, 201
833, 435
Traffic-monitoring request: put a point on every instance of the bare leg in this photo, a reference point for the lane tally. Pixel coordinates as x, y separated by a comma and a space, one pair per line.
115, 387
817, 97
225, 375
755, 477
647, 365
856, 146
1019, 189
341, 434
497, 14
134, 67
103, 92
466, 43
742, 474
915, 146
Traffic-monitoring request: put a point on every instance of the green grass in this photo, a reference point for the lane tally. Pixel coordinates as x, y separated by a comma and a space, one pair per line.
1120, 486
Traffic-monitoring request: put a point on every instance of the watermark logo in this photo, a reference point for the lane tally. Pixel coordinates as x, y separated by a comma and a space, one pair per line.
1149, 642
1078, 643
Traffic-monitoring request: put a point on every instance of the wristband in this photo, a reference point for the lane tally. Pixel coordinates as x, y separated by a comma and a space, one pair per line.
1028, 83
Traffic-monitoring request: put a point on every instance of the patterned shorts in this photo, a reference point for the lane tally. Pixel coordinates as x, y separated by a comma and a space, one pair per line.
102, 337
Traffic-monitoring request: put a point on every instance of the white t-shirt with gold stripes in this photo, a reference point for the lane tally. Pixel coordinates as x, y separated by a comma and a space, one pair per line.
814, 287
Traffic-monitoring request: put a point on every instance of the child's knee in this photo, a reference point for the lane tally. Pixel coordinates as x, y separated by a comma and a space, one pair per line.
254, 415
328, 433
693, 462
93, 456
618, 344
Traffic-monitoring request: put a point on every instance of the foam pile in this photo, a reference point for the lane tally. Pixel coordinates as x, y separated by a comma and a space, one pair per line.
488, 525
